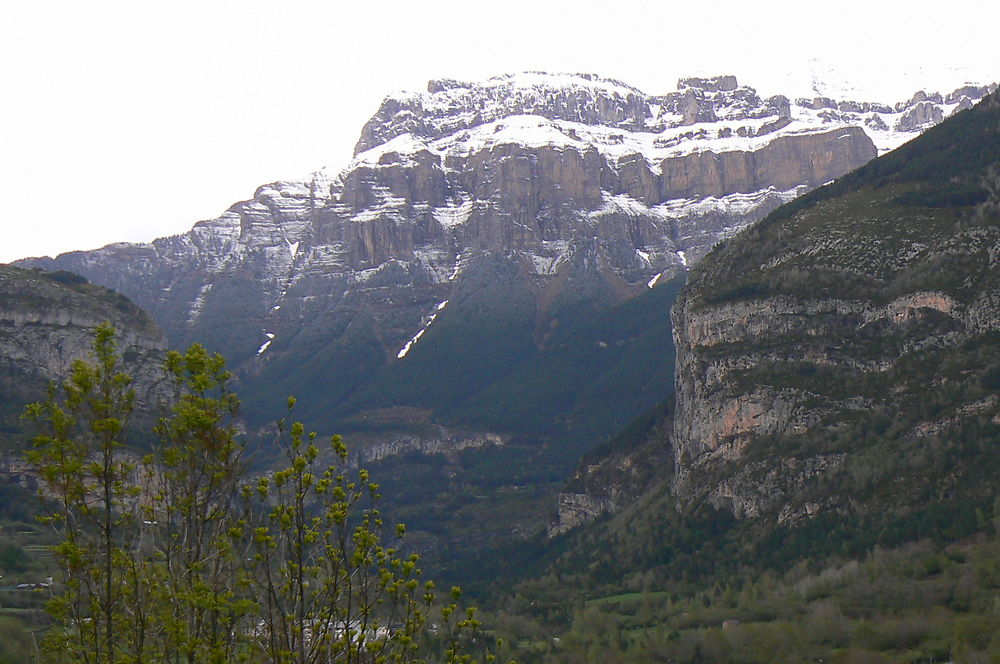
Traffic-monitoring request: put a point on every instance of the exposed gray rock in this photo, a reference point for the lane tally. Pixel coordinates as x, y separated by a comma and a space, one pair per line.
918, 116
718, 421
875, 122
447, 443
576, 509
714, 84
970, 91
964, 104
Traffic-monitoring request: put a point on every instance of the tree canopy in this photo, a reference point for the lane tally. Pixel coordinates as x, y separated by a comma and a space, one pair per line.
179, 554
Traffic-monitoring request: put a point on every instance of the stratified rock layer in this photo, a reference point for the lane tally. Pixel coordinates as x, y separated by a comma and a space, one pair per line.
863, 315
47, 321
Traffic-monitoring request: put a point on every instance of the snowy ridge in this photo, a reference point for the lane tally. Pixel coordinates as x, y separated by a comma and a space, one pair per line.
539, 79
818, 77
528, 88
451, 106
536, 109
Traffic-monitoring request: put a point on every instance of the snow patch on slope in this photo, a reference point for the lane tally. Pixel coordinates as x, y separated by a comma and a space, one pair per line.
734, 204
264, 346
427, 323
450, 216
404, 145
554, 253
625, 204
388, 206
439, 263
198, 304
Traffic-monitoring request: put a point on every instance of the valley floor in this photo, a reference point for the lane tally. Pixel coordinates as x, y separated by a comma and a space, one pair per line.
924, 602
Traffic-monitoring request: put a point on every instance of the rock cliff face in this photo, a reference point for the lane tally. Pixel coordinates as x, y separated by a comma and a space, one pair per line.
858, 323
618, 473
47, 321
444, 443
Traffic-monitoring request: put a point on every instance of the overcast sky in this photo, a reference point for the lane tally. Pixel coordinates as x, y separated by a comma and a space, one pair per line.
130, 120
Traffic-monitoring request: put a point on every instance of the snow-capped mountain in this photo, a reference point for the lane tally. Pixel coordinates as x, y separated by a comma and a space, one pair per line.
494, 269
573, 185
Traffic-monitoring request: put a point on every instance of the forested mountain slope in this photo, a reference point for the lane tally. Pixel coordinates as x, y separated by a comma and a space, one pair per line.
838, 376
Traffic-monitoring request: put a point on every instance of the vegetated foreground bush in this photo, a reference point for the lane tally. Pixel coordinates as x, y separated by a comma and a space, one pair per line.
181, 555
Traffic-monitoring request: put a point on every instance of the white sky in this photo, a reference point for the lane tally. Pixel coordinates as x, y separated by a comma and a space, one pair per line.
133, 119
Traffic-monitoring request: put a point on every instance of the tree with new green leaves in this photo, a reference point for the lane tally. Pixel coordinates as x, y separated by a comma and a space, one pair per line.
184, 558
80, 458
331, 589
196, 549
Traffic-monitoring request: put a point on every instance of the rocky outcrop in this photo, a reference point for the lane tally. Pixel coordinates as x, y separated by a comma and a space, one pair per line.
760, 488
47, 321
714, 84
759, 369
15, 470
576, 509
920, 115
713, 419
447, 443
616, 474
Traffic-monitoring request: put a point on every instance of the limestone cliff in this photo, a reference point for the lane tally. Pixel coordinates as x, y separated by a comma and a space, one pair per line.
863, 318
841, 357
47, 321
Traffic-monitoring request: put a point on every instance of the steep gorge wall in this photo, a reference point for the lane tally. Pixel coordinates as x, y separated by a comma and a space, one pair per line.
864, 319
